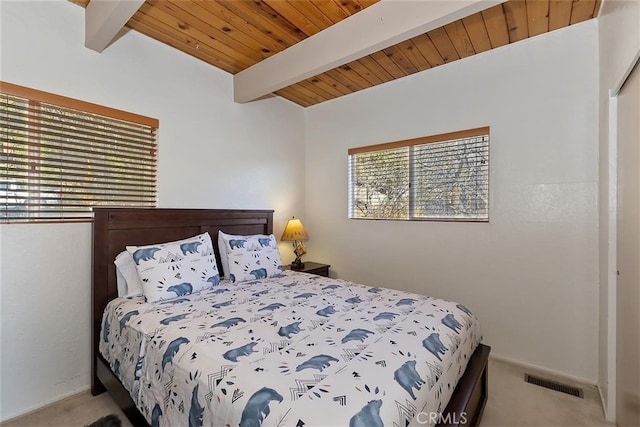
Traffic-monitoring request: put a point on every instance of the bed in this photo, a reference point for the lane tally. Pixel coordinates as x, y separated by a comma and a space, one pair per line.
249, 355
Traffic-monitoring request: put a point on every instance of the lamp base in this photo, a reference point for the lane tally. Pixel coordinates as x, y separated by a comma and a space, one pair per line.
297, 264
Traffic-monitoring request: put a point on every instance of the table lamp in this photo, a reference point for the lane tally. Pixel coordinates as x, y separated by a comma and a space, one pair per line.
294, 232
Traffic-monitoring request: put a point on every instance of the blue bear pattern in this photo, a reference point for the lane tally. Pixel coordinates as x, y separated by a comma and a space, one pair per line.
189, 248
375, 290
450, 321
156, 413
353, 300
405, 301
145, 254
174, 301
126, 318
214, 280
196, 411
221, 304
245, 350
257, 407
175, 318
408, 377
181, 290
172, 350
434, 345
330, 287
305, 295
292, 329
264, 242
319, 362
105, 330
326, 312
464, 309
356, 335
229, 323
260, 273
385, 315
236, 244
274, 306
369, 415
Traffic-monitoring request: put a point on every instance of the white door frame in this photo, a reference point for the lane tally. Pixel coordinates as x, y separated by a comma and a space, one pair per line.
612, 273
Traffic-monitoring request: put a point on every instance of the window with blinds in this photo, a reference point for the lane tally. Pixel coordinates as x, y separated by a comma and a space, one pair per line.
59, 157
440, 177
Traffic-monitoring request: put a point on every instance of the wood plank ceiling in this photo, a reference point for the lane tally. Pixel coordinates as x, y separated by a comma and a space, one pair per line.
236, 34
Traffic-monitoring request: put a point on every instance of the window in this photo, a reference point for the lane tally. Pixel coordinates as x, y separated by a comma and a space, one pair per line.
441, 177
59, 157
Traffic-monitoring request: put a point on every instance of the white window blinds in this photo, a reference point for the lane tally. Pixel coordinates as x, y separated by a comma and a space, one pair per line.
441, 177
60, 157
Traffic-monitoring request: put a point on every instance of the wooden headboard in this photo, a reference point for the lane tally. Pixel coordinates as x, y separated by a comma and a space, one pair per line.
115, 228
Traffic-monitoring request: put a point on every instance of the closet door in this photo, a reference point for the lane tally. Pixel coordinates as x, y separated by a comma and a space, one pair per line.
628, 235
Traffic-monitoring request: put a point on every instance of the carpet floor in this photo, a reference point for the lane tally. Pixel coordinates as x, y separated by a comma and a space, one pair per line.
512, 403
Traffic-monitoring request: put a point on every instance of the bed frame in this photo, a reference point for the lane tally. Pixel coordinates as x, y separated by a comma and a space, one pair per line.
115, 228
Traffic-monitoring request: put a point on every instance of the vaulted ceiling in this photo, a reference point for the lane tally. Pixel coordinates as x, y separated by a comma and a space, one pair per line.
236, 35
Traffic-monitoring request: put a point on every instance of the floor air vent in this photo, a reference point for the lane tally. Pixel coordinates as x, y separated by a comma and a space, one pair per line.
553, 385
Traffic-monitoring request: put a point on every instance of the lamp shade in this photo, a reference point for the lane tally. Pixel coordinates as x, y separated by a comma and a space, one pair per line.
294, 230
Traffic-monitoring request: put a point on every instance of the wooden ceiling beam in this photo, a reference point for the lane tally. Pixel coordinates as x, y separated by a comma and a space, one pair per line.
103, 20
379, 26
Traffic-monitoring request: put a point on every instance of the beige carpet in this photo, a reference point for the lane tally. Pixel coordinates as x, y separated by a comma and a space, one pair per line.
512, 402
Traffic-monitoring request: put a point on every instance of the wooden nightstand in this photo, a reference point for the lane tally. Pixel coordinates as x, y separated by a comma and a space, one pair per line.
313, 268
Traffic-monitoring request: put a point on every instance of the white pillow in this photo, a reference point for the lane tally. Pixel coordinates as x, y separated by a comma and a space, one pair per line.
253, 257
127, 275
173, 269
223, 244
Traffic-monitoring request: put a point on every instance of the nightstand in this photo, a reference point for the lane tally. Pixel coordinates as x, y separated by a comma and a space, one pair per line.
313, 268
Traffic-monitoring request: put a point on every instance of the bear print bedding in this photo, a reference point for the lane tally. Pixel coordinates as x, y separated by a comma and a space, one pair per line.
293, 350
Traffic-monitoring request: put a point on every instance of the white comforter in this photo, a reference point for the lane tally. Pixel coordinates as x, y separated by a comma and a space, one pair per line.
297, 350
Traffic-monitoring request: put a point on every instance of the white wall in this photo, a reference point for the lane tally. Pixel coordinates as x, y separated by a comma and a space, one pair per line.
213, 153
619, 43
531, 274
